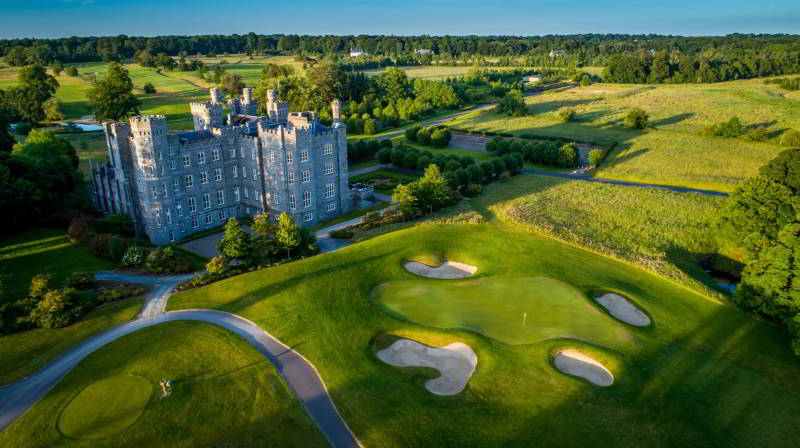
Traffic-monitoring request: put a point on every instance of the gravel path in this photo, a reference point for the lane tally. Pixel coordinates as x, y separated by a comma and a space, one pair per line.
300, 374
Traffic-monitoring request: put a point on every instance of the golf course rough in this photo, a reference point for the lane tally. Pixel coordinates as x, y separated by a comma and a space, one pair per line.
448, 270
105, 407
455, 362
512, 310
622, 308
575, 363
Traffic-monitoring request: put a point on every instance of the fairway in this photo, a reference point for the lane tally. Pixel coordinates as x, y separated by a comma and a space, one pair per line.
496, 307
123, 398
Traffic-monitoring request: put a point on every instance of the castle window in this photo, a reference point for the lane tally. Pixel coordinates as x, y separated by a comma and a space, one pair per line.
150, 170
182, 226
327, 149
164, 190
222, 215
172, 164
331, 206
201, 157
161, 169
329, 168
179, 207
330, 191
175, 184
215, 155
169, 217
244, 171
306, 199
206, 200
236, 194
241, 151
272, 157
158, 216
171, 150
253, 153
160, 155
233, 153
187, 161
276, 200
171, 236
203, 177
192, 205
155, 192
291, 178
245, 192
188, 181
308, 217
304, 156
217, 174
235, 171
209, 218
194, 222
288, 157
220, 197
306, 176
292, 201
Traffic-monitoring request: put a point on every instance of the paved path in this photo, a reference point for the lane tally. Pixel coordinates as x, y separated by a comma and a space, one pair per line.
300, 374
156, 301
584, 177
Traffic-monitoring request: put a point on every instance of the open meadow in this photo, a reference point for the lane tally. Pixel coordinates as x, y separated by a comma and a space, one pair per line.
671, 151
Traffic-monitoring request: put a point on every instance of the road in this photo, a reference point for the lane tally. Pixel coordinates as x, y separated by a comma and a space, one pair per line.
301, 376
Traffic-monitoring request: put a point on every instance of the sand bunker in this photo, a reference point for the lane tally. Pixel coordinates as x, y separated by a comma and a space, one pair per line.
623, 309
447, 270
456, 362
575, 363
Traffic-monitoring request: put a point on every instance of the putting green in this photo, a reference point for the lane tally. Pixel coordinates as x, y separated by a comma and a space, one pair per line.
105, 407
496, 306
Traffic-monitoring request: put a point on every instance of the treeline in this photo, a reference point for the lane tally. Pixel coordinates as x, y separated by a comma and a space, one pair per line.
711, 66
580, 50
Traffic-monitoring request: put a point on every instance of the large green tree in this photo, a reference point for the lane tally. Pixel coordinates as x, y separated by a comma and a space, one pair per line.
328, 79
287, 234
235, 243
763, 217
35, 86
111, 97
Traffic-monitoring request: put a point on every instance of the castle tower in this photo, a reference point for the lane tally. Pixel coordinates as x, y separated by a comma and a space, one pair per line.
247, 95
206, 115
278, 111
216, 95
336, 106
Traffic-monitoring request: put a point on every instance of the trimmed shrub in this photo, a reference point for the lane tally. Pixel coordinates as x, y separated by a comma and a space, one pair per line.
637, 119
452, 165
411, 133
758, 134
596, 156
566, 114
791, 138
134, 257
149, 88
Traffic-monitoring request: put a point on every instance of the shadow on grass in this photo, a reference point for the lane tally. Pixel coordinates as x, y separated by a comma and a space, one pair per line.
671, 120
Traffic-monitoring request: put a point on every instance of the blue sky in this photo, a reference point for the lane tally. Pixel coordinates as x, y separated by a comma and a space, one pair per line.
61, 18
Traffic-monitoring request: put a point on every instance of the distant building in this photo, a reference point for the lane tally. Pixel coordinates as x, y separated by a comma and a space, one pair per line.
423, 51
532, 79
356, 52
554, 53
176, 183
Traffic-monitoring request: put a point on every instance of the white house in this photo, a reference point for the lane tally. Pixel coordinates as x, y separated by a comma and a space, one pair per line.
554, 53
356, 52
423, 51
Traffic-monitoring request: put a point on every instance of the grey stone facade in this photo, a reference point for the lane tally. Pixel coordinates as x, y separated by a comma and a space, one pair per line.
173, 184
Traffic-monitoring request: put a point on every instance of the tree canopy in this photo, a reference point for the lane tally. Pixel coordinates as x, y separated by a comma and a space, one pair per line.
111, 97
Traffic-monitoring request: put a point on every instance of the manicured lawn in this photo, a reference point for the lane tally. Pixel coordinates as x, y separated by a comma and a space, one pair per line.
496, 307
658, 230
225, 394
41, 250
704, 371
25, 352
671, 151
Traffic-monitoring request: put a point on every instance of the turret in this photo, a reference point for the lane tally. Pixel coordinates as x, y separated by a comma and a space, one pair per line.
278, 111
216, 95
336, 106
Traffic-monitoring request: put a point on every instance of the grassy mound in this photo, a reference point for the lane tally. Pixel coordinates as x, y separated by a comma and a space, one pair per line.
105, 407
495, 307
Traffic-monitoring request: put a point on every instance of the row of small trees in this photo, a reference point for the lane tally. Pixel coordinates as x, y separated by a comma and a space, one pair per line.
543, 152
365, 149
436, 136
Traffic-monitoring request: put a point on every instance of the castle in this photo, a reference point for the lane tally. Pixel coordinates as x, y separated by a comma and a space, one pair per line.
176, 183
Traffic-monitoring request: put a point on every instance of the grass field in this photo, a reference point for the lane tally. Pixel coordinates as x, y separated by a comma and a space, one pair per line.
671, 151
41, 250
225, 394
495, 306
25, 352
438, 73
662, 231
703, 372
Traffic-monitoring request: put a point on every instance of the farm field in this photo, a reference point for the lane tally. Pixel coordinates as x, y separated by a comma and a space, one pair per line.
25, 352
30, 252
438, 73
658, 230
703, 371
208, 366
671, 151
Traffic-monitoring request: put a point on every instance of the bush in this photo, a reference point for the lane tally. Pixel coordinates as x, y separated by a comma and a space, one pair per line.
440, 138
134, 257
472, 190
566, 114
72, 71
424, 136
149, 88
758, 134
384, 156
730, 129
475, 173
217, 265
422, 162
81, 281
568, 156
452, 165
491, 144
488, 169
791, 138
637, 119
411, 133
117, 224
341, 234
504, 176
410, 160
370, 127
78, 230
386, 143
100, 246
596, 156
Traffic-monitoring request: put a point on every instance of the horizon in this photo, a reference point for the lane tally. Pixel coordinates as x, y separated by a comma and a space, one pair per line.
41, 19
